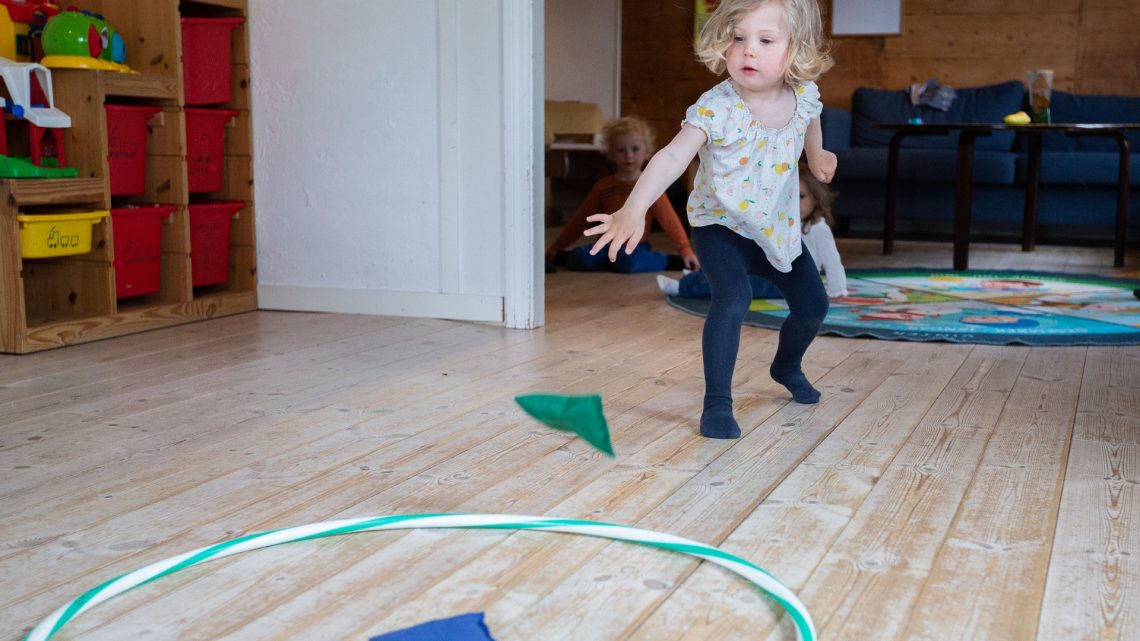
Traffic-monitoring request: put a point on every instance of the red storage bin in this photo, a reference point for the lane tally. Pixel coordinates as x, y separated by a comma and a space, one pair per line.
205, 147
210, 241
126, 147
137, 231
207, 58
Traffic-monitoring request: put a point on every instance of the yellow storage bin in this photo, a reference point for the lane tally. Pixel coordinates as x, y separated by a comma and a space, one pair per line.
57, 234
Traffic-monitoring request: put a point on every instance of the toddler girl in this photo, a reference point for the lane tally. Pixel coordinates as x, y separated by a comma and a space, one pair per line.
750, 131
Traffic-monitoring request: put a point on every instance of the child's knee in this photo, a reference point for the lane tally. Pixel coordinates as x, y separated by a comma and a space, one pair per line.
808, 308
734, 301
817, 310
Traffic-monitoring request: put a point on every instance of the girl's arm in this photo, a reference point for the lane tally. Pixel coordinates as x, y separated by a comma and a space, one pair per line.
577, 223
821, 161
626, 225
827, 255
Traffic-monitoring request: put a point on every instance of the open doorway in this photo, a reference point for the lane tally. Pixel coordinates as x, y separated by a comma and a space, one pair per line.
584, 90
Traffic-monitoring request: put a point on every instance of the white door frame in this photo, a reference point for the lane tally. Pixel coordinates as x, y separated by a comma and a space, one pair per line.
524, 195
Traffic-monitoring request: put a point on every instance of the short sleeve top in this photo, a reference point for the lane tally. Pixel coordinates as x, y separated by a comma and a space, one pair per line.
749, 174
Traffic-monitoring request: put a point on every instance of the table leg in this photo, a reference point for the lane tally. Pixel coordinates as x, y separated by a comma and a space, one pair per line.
963, 195
892, 193
1032, 188
1121, 199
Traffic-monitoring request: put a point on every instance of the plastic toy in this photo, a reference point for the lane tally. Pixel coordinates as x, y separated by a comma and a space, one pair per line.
83, 40
797, 611
21, 26
1019, 118
30, 98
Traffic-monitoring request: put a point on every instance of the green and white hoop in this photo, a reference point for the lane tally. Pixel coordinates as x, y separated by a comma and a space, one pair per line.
805, 630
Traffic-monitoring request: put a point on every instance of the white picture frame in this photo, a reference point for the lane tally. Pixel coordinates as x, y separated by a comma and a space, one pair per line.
866, 17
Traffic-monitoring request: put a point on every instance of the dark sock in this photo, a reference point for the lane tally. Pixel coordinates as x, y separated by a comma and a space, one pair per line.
560, 258
550, 268
798, 385
673, 263
717, 422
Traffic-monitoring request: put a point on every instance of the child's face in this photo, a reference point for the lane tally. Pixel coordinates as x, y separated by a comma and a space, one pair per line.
759, 49
628, 152
807, 201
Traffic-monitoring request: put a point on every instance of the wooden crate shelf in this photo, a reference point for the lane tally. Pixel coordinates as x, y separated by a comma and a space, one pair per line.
69, 191
49, 303
152, 86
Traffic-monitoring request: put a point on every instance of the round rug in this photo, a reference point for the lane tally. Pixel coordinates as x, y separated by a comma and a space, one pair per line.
985, 307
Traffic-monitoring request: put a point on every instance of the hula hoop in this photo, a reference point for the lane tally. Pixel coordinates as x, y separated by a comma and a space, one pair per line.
805, 629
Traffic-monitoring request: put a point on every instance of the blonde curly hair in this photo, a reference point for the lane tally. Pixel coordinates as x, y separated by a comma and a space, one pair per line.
808, 54
628, 125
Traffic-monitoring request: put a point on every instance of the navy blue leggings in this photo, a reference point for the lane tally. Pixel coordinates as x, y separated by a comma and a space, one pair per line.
727, 258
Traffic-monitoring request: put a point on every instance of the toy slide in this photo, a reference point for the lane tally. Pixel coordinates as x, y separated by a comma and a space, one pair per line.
17, 77
29, 98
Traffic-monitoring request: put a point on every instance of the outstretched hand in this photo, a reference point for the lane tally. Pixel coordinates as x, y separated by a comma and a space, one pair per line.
620, 228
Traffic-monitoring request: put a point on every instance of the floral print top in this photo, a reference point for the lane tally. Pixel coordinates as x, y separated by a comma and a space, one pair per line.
748, 179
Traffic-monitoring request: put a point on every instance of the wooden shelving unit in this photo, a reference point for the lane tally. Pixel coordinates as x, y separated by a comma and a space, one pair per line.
47, 303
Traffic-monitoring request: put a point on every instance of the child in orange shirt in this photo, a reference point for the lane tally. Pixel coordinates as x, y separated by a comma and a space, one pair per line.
629, 143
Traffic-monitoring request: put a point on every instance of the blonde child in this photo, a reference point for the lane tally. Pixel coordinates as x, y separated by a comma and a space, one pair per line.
816, 221
750, 131
629, 142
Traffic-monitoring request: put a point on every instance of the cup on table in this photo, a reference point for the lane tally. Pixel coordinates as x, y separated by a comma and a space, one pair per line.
1040, 93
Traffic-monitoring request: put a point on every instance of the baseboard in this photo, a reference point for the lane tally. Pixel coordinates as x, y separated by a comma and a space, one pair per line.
382, 303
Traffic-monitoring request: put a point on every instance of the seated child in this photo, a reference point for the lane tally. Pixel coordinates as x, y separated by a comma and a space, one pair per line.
815, 212
629, 143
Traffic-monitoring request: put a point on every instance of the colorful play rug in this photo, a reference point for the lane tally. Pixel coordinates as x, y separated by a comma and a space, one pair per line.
986, 307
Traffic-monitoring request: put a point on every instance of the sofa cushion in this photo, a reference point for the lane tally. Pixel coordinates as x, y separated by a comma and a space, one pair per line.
1082, 168
973, 104
925, 165
836, 127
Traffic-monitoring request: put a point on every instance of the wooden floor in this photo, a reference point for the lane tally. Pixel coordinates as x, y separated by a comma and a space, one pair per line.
938, 491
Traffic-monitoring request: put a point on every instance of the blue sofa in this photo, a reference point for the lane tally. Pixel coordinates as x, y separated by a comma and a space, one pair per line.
1078, 173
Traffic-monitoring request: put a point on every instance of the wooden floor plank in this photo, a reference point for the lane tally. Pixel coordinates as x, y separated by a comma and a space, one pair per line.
50, 362
989, 576
179, 353
1094, 574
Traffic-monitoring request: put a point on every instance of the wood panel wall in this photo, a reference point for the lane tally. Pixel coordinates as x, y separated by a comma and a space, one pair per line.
1093, 46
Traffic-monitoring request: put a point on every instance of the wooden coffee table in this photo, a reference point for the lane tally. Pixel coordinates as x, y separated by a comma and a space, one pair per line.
963, 192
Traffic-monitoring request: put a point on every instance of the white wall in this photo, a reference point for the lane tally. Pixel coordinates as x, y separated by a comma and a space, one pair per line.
583, 52
380, 156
